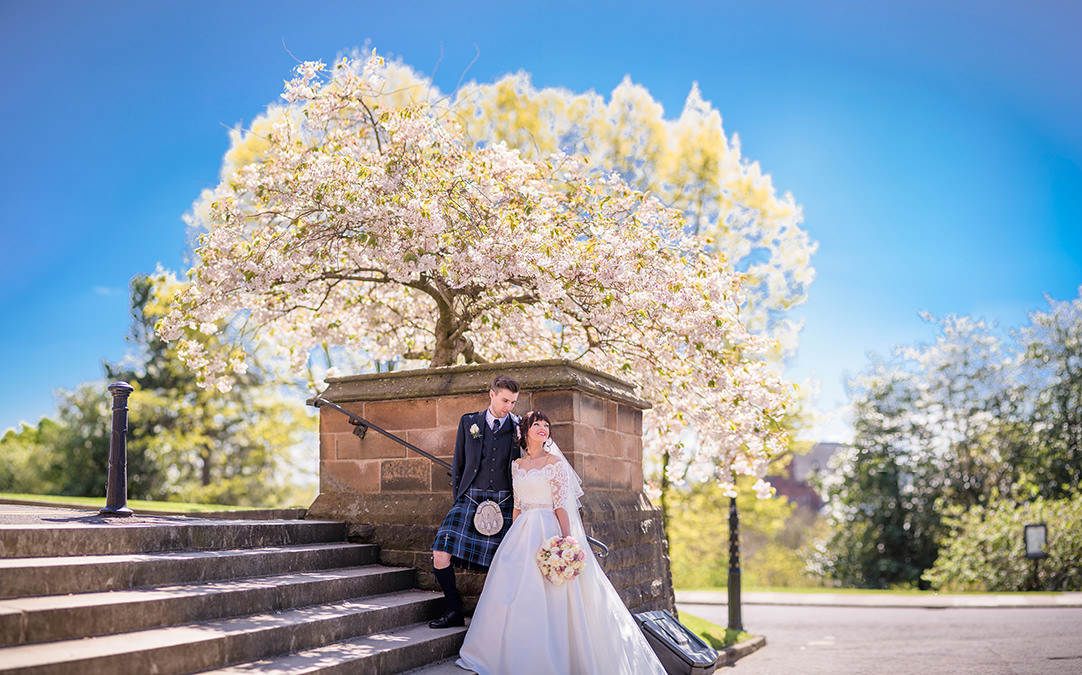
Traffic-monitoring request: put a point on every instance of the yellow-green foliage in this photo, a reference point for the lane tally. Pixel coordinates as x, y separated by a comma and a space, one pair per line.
771, 533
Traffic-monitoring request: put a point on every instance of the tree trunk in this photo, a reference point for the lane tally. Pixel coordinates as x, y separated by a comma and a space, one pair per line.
447, 347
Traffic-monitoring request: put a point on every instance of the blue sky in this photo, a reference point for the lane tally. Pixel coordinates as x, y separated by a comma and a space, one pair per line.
935, 146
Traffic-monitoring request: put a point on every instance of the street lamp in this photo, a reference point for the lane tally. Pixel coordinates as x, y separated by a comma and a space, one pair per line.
1036, 536
735, 622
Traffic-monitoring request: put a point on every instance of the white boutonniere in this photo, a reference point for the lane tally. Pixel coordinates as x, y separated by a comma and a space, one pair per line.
475, 431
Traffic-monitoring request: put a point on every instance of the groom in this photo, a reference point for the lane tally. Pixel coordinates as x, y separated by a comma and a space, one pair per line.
481, 470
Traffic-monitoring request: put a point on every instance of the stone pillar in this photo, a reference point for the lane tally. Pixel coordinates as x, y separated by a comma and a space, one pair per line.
395, 498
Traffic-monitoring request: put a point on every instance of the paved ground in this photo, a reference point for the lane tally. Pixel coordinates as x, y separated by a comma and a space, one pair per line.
840, 634
913, 601
814, 639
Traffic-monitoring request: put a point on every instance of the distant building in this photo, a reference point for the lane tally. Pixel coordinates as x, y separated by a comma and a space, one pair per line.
794, 483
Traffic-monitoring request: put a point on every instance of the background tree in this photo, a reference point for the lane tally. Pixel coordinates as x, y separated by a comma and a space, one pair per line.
772, 532
69, 455
24, 466
184, 443
884, 527
370, 223
975, 419
967, 396
234, 447
1053, 360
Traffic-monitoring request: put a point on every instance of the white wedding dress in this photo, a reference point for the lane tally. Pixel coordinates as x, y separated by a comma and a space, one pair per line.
527, 625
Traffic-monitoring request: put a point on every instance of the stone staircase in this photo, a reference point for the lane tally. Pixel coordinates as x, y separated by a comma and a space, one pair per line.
169, 596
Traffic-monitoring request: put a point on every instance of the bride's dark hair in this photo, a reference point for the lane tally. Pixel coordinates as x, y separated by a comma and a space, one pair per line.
528, 421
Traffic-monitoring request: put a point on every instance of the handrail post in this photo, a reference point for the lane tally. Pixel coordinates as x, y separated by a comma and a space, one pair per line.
116, 492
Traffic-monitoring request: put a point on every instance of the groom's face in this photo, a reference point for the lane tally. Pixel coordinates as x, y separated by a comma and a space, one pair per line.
501, 402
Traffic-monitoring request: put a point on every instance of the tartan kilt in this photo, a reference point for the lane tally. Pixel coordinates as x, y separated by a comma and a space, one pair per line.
470, 549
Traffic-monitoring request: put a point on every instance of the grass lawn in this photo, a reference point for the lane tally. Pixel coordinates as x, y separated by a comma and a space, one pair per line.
712, 634
813, 589
133, 504
824, 589
861, 591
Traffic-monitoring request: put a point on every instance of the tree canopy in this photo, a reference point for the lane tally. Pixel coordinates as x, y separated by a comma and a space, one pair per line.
356, 217
688, 163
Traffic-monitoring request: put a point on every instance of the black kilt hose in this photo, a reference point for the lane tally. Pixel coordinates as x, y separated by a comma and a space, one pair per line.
481, 470
470, 549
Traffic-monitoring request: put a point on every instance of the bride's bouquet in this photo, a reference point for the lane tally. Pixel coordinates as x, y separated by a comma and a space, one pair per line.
561, 559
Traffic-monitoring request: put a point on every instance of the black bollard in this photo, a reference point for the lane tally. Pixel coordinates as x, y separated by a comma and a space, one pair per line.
735, 623
116, 491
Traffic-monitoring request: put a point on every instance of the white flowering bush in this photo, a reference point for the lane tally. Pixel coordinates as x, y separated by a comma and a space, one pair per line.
366, 222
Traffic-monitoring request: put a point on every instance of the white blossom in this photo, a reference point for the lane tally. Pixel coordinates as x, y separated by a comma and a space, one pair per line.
372, 224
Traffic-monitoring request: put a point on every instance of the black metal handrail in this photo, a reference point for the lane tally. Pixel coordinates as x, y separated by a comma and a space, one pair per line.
361, 427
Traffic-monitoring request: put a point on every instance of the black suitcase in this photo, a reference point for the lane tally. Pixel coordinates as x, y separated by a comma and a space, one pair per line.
680, 651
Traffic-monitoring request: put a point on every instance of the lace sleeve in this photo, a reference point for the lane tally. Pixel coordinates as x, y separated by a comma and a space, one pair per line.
561, 487
516, 499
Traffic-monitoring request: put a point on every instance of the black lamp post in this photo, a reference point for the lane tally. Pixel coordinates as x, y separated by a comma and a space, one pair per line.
1036, 536
735, 622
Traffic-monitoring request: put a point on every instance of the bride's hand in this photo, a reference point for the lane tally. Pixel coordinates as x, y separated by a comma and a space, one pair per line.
565, 522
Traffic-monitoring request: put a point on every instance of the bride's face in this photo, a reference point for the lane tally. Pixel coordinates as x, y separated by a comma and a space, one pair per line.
539, 431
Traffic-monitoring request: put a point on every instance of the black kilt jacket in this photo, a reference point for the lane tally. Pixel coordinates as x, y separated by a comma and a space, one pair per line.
469, 451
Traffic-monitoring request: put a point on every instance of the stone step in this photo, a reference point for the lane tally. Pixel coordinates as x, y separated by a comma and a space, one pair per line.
61, 617
43, 506
197, 647
94, 535
385, 652
24, 577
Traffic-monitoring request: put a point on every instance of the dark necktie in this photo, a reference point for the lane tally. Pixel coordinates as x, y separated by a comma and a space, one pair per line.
495, 426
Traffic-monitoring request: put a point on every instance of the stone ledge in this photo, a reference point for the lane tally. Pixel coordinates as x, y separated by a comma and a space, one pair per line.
476, 379
383, 509
728, 656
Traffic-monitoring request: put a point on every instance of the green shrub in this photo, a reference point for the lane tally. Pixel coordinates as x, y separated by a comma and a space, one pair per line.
986, 551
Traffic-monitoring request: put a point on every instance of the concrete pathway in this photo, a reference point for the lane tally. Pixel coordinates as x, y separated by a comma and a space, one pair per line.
921, 600
915, 601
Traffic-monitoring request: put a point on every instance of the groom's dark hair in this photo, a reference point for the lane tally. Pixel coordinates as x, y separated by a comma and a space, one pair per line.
505, 382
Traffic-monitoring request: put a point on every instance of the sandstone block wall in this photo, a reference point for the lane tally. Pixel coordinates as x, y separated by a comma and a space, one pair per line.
396, 498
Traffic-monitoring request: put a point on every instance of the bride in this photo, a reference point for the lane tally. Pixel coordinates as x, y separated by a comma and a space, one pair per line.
523, 622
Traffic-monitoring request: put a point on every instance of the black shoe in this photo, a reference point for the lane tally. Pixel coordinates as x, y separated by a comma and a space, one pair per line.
451, 618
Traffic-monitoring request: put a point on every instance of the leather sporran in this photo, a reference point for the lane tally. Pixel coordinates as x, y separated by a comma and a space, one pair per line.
488, 519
